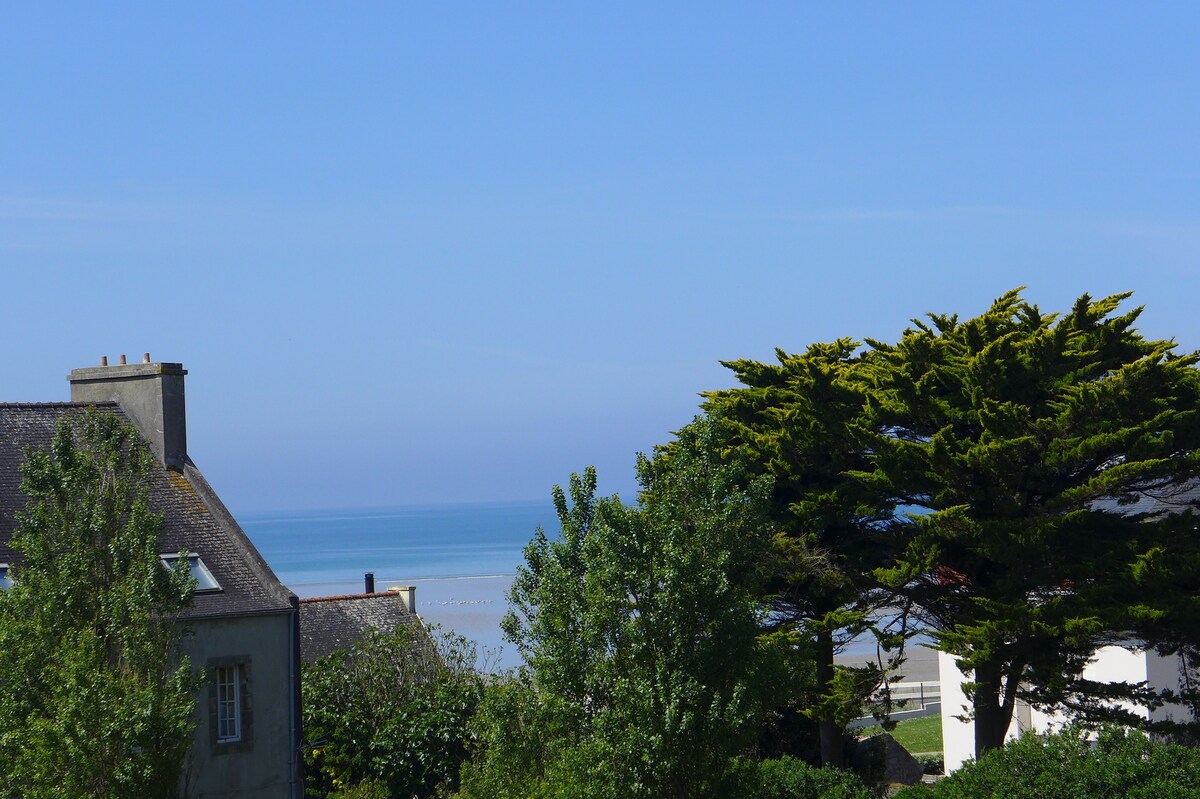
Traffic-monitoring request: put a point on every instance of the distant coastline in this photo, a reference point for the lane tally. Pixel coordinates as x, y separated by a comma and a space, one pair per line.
462, 557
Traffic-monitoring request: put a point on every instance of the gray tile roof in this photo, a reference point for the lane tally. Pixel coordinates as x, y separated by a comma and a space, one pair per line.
194, 518
1175, 498
330, 623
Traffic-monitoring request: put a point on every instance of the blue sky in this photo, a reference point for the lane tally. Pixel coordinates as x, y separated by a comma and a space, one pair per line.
445, 252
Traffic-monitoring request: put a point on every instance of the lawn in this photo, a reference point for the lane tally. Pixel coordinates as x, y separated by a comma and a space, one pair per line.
916, 735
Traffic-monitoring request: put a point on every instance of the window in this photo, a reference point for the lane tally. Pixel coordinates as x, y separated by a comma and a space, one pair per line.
204, 578
229, 704
5, 580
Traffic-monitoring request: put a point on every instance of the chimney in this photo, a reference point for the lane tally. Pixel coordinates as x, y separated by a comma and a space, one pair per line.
369, 582
410, 595
151, 394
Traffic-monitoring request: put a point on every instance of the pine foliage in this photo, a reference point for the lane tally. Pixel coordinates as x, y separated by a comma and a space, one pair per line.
1023, 442
800, 422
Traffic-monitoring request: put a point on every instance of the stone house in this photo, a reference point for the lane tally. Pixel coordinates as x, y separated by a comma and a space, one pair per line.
244, 622
332, 623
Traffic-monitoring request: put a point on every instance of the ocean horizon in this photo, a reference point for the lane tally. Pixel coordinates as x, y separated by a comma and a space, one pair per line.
308, 549
461, 558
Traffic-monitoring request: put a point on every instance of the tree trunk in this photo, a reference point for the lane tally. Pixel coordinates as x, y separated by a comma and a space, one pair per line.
828, 728
993, 713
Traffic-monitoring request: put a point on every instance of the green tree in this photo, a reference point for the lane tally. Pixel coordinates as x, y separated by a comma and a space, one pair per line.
392, 713
1021, 440
98, 700
800, 422
640, 626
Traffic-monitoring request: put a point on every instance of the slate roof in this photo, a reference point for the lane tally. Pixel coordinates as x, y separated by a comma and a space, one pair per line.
330, 623
194, 518
1156, 502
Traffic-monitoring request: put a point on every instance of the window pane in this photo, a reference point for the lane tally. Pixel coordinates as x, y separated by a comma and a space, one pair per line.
229, 717
204, 578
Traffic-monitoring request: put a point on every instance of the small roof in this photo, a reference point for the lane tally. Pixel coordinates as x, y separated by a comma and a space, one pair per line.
1168, 499
194, 518
330, 623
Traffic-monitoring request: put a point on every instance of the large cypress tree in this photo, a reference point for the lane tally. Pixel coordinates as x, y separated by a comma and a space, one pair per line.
1022, 440
800, 422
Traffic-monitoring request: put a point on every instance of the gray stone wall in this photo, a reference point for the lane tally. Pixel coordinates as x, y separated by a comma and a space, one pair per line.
261, 764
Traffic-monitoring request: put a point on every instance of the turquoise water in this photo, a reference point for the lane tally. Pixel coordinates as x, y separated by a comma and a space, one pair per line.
461, 558
316, 549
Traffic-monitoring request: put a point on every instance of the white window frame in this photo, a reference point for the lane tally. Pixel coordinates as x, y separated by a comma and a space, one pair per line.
204, 578
229, 704
5, 581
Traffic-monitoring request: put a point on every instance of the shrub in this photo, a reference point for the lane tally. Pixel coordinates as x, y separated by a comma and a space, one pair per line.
932, 763
789, 778
390, 717
368, 789
1067, 765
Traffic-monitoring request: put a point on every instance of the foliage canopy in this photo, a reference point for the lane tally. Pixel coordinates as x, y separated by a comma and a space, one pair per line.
393, 711
800, 422
1023, 442
98, 700
647, 671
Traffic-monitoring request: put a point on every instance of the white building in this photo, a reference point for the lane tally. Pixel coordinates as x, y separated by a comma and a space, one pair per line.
1110, 664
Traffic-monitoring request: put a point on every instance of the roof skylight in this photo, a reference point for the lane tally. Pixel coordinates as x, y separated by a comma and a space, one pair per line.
204, 578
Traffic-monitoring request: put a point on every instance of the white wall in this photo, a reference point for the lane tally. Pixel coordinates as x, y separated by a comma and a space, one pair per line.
1110, 664
958, 736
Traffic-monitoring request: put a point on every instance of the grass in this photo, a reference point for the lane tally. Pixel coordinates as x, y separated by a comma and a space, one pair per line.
916, 735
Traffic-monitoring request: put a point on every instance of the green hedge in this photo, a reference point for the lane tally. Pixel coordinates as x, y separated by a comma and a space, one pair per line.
1066, 765
789, 778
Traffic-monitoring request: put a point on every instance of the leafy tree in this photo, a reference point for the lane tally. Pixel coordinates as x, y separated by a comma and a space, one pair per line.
98, 700
800, 422
640, 628
1022, 441
391, 715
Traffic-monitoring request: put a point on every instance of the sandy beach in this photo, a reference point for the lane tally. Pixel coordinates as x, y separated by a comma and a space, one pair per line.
920, 664
470, 606
474, 606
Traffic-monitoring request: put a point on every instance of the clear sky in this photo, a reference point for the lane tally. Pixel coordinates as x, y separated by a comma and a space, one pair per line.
431, 252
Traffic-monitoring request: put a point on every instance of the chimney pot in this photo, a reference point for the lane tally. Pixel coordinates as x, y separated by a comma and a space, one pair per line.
369, 580
104, 360
146, 357
151, 394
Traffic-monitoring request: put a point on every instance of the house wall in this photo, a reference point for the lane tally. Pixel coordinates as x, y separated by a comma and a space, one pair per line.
1110, 664
1165, 672
958, 736
261, 766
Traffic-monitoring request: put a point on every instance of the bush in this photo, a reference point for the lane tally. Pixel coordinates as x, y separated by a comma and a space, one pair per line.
1066, 765
390, 717
789, 778
368, 789
932, 763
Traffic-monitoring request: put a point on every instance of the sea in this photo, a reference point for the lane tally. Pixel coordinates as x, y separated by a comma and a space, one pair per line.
462, 559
